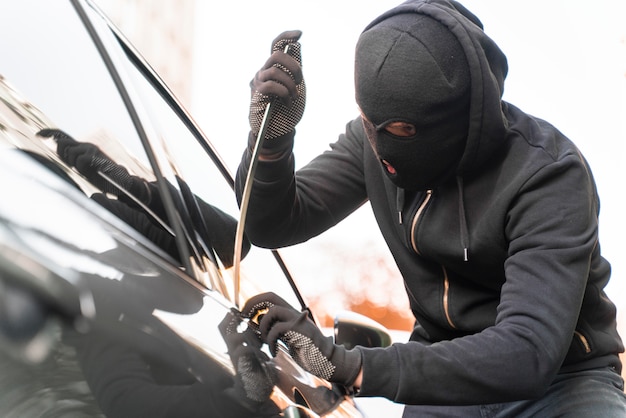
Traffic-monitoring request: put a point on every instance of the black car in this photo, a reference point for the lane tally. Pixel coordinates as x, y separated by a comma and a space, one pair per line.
121, 261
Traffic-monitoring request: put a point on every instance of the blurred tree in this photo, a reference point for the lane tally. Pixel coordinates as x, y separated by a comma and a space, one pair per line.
362, 281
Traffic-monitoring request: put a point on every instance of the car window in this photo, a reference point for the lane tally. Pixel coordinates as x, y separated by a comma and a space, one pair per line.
84, 119
69, 85
194, 169
82, 127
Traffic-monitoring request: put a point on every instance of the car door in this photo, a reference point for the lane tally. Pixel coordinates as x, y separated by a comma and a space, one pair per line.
116, 238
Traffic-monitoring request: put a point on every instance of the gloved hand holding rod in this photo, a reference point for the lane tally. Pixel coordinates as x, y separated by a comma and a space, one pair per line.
276, 107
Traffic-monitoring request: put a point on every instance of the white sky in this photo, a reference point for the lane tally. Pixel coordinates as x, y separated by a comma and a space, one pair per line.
567, 64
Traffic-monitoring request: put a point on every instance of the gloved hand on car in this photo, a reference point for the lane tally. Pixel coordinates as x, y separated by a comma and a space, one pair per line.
314, 352
279, 81
90, 161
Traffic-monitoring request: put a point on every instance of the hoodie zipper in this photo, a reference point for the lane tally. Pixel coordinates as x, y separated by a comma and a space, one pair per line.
583, 341
446, 297
446, 282
418, 214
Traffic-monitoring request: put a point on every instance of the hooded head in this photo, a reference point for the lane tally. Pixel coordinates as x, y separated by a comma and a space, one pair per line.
414, 86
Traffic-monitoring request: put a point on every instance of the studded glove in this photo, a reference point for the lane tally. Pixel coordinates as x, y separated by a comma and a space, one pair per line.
280, 78
313, 351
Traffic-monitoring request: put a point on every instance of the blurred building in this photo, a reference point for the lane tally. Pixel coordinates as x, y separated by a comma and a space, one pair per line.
163, 32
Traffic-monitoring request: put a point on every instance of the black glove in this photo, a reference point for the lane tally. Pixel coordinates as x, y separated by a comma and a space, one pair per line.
254, 381
280, 78
313, 351
90, 161
256, 307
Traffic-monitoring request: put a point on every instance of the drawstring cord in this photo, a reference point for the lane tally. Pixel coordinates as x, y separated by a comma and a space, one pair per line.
399, 203
463, 220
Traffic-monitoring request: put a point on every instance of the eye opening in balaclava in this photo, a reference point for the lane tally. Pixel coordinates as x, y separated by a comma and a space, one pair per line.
410, 68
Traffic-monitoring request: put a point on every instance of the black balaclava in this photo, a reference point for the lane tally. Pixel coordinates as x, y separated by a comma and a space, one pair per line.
410, 68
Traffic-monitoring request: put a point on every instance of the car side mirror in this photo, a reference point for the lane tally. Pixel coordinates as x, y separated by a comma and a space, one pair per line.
352, 329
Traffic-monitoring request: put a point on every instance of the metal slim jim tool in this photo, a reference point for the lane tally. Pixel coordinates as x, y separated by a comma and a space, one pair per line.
246, 197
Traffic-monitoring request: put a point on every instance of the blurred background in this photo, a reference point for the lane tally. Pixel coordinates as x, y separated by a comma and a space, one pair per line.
567, 65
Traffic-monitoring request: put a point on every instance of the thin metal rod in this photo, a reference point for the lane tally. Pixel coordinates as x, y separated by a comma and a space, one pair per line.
247, 189
245, 198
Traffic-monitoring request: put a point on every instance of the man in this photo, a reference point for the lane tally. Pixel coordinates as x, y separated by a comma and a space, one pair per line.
491, 216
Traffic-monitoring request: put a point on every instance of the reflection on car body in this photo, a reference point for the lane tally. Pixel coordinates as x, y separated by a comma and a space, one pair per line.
115, 261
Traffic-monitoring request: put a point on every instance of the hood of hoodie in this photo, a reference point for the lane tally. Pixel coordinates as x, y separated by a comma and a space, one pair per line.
486, 125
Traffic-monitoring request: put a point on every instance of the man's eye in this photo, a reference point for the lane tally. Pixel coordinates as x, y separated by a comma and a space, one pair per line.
401, 129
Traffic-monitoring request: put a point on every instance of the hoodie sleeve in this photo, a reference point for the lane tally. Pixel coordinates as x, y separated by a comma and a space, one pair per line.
288, 207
